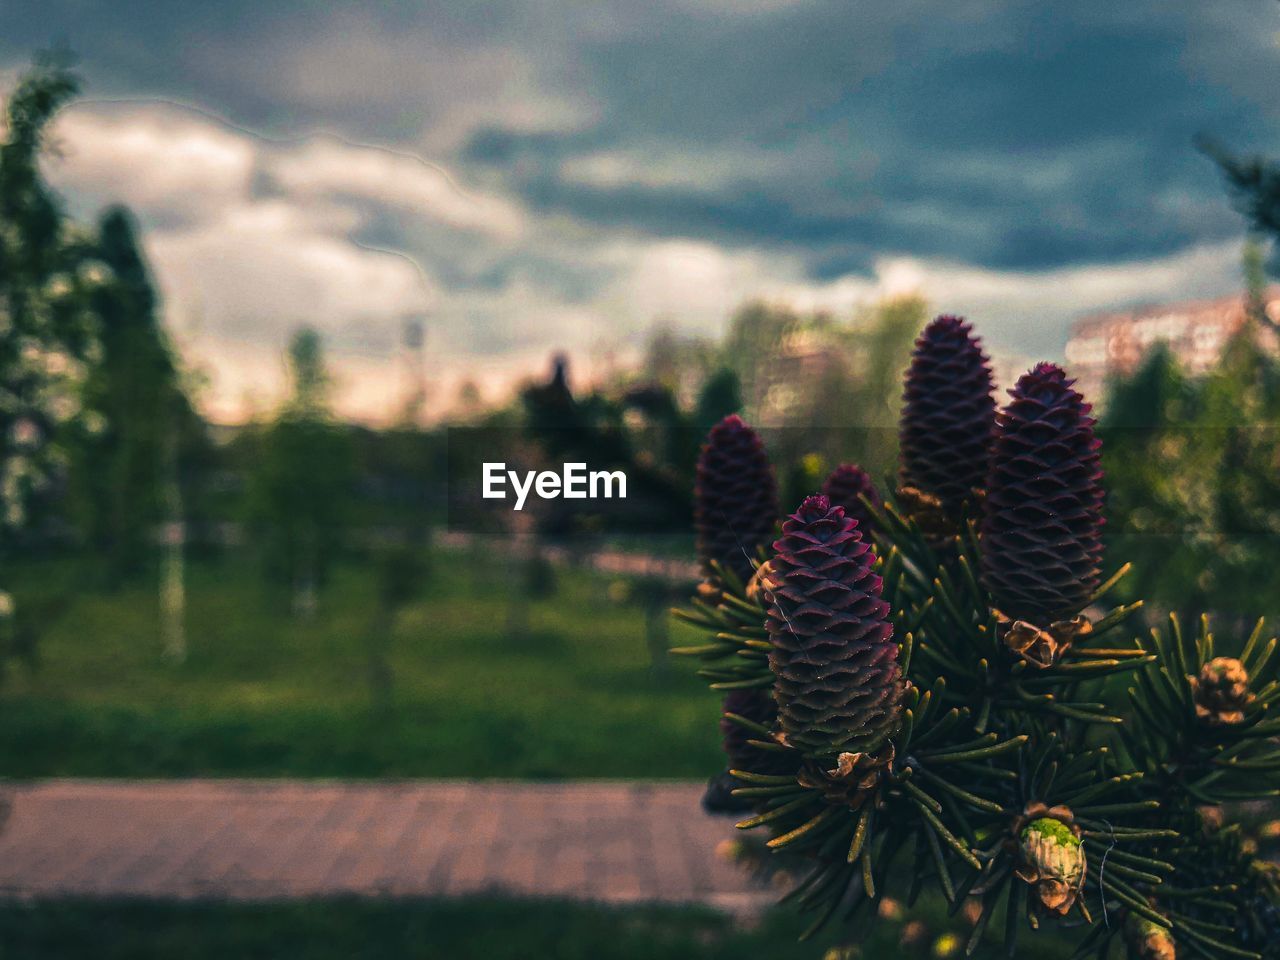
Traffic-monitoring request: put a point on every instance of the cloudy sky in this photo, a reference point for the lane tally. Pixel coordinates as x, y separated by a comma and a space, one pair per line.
530, 174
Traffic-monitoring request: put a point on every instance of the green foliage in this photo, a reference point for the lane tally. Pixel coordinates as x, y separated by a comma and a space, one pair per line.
1014, 734
719, 397
302, 477
48, 273
1254, 182
135, 395
1193, 490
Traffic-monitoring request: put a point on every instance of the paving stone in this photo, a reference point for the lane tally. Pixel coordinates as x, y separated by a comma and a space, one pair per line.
254, 840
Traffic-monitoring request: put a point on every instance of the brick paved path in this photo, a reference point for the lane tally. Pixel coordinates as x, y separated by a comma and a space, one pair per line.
269, 839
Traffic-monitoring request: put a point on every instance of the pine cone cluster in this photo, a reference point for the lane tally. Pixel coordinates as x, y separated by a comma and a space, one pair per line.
735, 498
948, 413
846, 487
1043, 520
837, 681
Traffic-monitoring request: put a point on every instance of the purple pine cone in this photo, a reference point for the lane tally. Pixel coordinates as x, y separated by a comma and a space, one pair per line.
846, 487
1042, 529
735, 498
837, 681
948, 414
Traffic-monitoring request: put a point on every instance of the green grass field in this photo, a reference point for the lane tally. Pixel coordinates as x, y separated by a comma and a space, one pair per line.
469, 929
263, 694
347, 929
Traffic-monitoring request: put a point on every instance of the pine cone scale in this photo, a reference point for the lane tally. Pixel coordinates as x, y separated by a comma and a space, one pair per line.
948, 414
736, 499
837, 679
1042, 541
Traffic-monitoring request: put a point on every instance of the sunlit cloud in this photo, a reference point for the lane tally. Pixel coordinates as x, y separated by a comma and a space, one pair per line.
326, 168
158, 161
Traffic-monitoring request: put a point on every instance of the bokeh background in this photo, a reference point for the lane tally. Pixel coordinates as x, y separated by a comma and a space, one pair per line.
275, 277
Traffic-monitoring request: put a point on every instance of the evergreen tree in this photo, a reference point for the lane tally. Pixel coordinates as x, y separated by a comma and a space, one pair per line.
136, 394
1160, 473
1254, 183
1195, 494
47, 334
47, 276
944, 713
718, 398
302, 480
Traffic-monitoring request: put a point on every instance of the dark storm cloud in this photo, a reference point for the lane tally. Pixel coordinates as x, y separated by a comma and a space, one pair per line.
1009, 135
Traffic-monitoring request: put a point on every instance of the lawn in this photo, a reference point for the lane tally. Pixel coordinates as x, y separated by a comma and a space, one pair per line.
265, 694
471, 929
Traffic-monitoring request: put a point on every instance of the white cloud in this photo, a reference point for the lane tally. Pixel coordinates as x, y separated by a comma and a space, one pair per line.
247, 246
695, 283
656, 168
157, 160
264, 267
1030, 310
326, 167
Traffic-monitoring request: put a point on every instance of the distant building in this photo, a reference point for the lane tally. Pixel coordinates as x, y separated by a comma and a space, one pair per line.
807, 355
1114, 344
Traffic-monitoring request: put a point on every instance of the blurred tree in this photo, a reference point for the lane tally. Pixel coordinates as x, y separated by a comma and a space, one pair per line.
302, 478
1159, 506
1254, 183
1255, 279
1240, 411
842, 390
136, 394
47, 334
755, 338
469, 403
663, 357
641, 433
719, 397
48, 273
886, 332
308, 377
1194, 471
